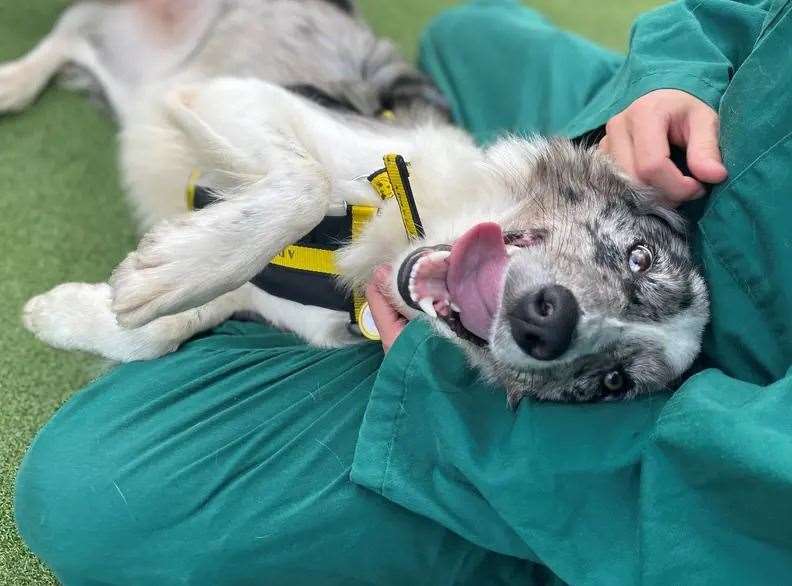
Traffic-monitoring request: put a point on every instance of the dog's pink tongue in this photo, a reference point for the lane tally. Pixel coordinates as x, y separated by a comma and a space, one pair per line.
475, 276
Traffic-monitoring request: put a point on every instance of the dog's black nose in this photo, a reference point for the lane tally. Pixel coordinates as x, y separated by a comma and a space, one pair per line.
543, 322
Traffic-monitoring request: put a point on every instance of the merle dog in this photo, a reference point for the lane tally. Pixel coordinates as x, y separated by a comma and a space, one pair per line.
560, 278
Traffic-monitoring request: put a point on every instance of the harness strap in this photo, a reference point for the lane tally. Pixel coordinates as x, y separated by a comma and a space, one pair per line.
305, 258
394, 181
362, 215
315, 253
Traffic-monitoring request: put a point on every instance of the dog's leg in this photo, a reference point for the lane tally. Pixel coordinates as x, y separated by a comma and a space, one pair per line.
267, 136
22, 80
189, 261
77, 316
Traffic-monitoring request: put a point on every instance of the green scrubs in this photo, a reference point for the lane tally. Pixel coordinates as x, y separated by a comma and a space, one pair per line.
249, 458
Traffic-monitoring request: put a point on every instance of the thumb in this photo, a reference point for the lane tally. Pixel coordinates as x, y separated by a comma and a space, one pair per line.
381, 276
703, 150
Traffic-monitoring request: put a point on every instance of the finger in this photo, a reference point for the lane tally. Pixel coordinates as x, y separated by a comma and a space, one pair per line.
653, 164
603, 144
703, 151
381, 279
388, 321
619, 144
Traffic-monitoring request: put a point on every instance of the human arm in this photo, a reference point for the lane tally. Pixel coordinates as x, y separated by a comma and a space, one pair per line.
606, 493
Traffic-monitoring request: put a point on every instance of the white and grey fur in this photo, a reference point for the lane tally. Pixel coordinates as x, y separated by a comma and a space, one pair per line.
202, 84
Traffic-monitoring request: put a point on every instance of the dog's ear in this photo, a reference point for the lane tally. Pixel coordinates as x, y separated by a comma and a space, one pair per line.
516, 162
648, 202
645, 201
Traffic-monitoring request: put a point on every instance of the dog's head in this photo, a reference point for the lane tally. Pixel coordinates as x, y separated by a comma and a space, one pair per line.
583, 290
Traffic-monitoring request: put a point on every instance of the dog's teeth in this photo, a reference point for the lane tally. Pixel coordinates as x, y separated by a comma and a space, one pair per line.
455, 307
427, 304
416, 266
439, 255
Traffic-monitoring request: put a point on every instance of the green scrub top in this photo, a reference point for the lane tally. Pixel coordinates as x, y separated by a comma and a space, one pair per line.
246, 458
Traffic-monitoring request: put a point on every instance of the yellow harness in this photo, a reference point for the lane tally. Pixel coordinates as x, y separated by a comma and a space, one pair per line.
318, 258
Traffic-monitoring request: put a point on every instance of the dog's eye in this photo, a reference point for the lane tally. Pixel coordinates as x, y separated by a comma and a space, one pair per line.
523, 239
614, 382
640, 259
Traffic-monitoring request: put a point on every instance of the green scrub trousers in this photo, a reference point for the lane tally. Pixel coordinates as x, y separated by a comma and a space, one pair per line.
249, 458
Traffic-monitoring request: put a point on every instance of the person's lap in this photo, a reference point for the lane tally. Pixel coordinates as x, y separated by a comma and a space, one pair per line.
225, 463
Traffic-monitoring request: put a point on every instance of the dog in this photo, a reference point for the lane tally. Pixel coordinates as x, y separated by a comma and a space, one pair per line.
560, 278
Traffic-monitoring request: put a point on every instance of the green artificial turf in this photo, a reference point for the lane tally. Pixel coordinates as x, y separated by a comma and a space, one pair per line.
62, 218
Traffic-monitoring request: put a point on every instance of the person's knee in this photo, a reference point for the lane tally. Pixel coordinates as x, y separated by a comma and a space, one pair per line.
51, 498
68, 508
474, 20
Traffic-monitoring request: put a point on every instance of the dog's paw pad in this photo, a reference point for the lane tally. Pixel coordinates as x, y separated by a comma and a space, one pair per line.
145, 286
135, 287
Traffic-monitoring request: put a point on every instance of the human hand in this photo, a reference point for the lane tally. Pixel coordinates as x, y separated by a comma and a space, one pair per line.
639, 139
389, 322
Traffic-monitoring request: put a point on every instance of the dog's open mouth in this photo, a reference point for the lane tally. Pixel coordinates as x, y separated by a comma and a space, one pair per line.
460, 284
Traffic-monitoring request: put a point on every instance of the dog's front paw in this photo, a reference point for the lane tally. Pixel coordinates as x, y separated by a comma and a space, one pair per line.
19, 85
174, 268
